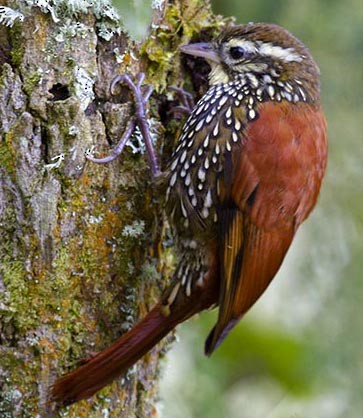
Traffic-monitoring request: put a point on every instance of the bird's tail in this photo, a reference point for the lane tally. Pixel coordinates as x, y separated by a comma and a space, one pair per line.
101, 369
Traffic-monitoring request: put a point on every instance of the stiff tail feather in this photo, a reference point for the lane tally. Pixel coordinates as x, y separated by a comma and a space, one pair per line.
112, 362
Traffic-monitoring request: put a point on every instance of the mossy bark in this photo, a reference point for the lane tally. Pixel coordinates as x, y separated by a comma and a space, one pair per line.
81, 244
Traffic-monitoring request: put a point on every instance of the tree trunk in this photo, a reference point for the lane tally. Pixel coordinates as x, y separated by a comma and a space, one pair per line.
81, 244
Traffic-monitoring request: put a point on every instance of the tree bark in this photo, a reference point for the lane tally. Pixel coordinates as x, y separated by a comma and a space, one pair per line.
81, 244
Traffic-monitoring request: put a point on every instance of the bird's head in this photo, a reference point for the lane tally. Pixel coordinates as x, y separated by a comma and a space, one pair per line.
266, 51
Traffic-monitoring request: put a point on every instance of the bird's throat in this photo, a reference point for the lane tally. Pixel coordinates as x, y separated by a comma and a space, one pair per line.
217, 74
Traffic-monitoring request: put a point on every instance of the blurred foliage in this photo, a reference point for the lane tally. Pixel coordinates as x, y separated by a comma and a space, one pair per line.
298, 353
259, 350
135, 16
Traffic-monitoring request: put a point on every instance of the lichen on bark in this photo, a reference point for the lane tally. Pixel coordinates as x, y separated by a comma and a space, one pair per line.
81, 245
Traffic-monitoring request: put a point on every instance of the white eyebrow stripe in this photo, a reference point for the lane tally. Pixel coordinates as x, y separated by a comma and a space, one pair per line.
267, 49
248, 46
285, 54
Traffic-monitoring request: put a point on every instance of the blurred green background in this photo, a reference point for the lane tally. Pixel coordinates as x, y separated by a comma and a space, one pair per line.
299, 352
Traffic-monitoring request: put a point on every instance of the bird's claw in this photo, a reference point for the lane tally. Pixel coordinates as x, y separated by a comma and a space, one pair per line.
141, 93
141, 96
186, 99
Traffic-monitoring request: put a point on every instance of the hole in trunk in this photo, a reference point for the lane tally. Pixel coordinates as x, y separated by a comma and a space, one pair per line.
59, 92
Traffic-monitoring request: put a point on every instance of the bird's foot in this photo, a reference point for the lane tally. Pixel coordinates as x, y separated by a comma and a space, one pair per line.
186, 100
141, 95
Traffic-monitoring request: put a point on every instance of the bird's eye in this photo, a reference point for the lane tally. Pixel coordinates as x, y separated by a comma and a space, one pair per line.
237, 52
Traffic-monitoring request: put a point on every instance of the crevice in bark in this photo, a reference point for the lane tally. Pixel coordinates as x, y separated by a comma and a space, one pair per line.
45, 140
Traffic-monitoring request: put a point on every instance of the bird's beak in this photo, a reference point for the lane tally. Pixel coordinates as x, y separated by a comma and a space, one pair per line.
203, 49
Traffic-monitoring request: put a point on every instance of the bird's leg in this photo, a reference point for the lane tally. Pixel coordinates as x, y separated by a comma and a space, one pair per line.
116, 152
186, 99
141, 96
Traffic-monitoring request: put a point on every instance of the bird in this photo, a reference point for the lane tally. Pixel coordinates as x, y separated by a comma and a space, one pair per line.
246, 172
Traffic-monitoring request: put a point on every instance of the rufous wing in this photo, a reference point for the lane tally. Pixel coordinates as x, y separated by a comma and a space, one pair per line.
274, 185
250, 258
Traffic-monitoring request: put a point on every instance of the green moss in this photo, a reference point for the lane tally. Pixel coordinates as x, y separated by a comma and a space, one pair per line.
182, 23
32, 81
7, 154
18, 49
18, 303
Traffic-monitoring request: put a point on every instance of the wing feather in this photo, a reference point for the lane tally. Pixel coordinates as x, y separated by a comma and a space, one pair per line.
277, 175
